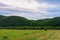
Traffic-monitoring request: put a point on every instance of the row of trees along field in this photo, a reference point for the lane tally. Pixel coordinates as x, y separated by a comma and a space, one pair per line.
23, 23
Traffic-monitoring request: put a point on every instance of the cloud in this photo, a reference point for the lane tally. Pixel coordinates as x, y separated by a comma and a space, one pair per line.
31, 9
26, 4
2, 4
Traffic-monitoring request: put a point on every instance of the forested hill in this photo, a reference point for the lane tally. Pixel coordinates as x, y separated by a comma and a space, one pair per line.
21, 21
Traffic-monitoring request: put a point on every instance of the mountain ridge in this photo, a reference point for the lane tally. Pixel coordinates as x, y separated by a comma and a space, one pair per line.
21, 21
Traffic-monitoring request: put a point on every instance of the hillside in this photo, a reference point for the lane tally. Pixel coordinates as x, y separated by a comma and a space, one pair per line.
50, 22
14, 21
2, 17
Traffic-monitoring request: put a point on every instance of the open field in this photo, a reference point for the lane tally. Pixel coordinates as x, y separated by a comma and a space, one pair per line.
29, 34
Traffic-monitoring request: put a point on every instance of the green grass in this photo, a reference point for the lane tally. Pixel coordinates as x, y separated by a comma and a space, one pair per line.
6, 34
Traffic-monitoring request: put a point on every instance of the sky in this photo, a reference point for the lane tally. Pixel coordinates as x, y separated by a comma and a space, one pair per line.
30, 9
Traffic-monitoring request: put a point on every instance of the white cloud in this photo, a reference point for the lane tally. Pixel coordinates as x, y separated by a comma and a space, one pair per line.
26, 4
38, 9
44, 6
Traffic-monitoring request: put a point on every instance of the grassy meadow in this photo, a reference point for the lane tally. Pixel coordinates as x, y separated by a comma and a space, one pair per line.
6, 34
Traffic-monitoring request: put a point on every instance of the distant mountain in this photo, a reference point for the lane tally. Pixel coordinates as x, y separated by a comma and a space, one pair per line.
21, 21
2, 17
14, 21
50, 22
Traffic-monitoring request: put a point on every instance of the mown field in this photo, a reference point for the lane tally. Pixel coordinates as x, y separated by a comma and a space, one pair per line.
6, 34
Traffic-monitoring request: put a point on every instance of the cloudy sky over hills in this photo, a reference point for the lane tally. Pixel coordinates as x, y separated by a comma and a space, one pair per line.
31, 9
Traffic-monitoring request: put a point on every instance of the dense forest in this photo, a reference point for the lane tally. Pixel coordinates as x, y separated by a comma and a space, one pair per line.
18, 22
